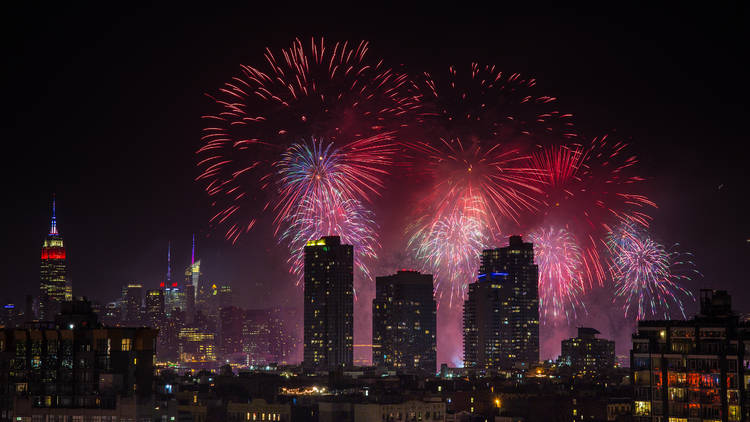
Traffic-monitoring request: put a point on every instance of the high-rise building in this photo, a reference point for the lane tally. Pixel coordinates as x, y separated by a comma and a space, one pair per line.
28, 310
155, 308
231, 320
192, 280
132, 304
256, 336
168, 349
224, 295
501, 312
695, 369
54, 286
196, 345
588, 355
193, 271
189, 303
404, 322
329, 304
171, 289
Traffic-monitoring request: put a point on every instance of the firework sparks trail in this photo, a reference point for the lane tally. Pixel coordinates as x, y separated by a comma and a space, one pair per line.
590, 187
317, 90
480, 125
450, 248
320, 185
560, 262
648, 275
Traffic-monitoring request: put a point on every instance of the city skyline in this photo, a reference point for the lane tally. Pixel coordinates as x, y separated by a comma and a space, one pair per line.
134, 223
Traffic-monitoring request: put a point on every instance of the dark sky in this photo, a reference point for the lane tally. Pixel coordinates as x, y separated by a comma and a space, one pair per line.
103, 108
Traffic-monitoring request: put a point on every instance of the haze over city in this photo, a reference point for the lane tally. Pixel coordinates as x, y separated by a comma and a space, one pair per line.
107, 114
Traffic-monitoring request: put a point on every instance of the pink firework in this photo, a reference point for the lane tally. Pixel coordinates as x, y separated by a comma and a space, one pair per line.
319, 187
648, 276
450, 247
560, 262
332, 91
587, 188
478, 127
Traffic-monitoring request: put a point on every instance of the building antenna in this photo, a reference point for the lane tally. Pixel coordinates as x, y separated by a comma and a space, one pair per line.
53, 227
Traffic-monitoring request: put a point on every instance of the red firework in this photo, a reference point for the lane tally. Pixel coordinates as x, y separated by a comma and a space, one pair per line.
479, 126
332, 91
587, 188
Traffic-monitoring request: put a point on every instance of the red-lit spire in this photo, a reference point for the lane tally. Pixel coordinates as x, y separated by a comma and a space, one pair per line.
53, 227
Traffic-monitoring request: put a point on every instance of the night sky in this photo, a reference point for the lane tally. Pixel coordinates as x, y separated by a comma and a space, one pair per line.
103, 108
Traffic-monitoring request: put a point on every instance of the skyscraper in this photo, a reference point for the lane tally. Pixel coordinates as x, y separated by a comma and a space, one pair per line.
192, 278
193, 272
171, 290
329, 303
404, 322
155, 308
697, 369
54, 287
133, 302
501, 312
231, 320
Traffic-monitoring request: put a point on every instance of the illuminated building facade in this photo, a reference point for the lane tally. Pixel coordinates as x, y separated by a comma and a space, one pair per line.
192, 280
224, 295
694, 370
132, 304
256, 336
231, 320
588, 355
189, 303
171, 290
169, 336
172, 298
259, 410
54, 286
329, 304
404, 322
196, 345
155, 307
501, 312
80, 365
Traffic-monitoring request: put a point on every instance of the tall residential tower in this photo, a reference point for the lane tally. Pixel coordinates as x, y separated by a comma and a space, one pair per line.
404, 322
501, 312
329, 304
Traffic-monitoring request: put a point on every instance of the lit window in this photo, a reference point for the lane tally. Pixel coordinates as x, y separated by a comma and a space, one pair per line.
127, 344
642, 408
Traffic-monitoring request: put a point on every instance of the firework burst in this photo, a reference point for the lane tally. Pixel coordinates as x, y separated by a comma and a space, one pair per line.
320, 185
332, 91
590, 187
450, 247
647, 275
479, 125
560, 262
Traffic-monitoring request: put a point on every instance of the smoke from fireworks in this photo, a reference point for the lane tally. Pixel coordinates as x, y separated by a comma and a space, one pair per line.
588, 188
331, 91
479, 125
319, 187
560, 262
450, 246
647, 275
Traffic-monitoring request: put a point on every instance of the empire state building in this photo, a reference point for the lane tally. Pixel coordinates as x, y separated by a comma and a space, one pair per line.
54, 287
